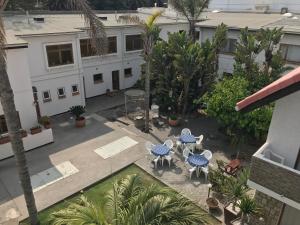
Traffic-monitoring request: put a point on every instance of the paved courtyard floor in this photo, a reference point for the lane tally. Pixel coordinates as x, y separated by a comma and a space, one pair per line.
78, 146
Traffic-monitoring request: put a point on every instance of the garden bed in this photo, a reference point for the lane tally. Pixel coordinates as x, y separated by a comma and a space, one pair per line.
97, 193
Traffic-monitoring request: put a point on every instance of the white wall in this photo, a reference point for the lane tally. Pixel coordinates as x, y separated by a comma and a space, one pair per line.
19, 77
284, 131
274, 5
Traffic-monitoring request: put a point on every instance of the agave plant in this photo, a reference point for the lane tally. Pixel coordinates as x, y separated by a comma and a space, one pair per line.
248, 207
131, 203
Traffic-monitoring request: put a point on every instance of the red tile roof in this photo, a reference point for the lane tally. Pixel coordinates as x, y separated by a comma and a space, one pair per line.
282, 83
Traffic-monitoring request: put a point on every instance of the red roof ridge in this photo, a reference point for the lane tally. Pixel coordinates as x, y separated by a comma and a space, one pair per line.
280, 84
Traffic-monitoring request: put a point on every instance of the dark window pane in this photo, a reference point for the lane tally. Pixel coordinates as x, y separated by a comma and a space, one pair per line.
61, 91
230, 46
98, 78
112, 45
134, 42
74, 88
59, 55
128, 72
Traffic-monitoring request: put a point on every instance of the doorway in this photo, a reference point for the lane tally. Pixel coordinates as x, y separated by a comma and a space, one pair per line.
116, 80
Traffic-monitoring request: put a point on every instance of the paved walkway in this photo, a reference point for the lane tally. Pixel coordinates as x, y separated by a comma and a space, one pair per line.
78, 147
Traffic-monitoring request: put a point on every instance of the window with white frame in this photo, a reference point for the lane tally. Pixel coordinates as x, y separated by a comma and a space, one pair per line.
61, 92
46, 96
98, 78
59, 55
290, 53
128, 72
134, 42
230, 46
87, 49
75, 90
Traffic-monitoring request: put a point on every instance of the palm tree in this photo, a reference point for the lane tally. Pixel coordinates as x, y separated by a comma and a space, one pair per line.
131, 203
97, 32
187, 62
150, 36
191, 9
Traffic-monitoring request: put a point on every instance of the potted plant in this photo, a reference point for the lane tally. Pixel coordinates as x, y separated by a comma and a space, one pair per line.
77, 111
35, 130
173, 120
247, 207
45, 121
4, 138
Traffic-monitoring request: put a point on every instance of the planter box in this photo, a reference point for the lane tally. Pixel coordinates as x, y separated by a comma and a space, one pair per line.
173, 123
36, 130
4, 140
230, 214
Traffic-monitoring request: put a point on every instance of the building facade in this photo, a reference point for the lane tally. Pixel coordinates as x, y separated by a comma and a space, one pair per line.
275, 167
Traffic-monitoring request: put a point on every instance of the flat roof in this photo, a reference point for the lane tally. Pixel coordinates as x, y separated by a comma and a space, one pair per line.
284, 86
238, 20
17, 26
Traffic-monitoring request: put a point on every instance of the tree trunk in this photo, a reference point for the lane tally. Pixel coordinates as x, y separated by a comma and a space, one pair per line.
147, 95
192, 31
14, 127
185, 96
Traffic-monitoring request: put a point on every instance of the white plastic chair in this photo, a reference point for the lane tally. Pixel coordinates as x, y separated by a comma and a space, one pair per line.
192, 170
169, 157
169, 143
186, 153
199, 142
207, 154
149, 147
191, 146
205, 171
186, 131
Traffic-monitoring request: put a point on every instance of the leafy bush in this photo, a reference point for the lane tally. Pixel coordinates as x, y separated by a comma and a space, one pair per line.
221, 105
44, 120
77, 111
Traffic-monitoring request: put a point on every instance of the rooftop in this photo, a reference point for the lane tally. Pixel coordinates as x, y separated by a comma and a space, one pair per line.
17, 26
284, 86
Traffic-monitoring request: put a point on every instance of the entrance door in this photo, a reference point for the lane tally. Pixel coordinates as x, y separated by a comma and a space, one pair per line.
116, 80
36, 102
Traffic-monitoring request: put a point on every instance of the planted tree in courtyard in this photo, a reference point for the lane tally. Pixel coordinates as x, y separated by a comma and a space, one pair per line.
191, 10
150, 36
8, 105
131, 203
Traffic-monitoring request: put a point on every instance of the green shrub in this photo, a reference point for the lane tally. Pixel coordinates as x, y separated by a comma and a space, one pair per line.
77, 111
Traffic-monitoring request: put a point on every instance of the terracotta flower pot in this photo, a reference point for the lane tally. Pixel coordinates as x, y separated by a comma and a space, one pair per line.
80, 122
47, 125
173, 123
212, 203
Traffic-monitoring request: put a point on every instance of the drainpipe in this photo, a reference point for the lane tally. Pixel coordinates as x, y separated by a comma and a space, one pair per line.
80, 69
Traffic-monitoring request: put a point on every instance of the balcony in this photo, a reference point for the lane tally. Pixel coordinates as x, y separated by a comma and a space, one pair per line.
270, 176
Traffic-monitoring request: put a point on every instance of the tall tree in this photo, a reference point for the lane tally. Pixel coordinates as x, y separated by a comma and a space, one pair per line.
191, 10
97, 33
131, 203
150, 36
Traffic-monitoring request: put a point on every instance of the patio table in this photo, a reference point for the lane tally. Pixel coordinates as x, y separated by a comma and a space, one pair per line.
160, 150
187, 138
197, 160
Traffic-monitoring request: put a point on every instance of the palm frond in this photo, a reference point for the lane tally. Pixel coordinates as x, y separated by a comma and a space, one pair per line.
96, 29
153, 17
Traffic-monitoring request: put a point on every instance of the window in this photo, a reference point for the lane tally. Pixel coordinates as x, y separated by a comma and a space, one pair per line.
290, 53
230, 46
61, 92
46, 96
134, 42
75, 90
197, 35
128, 72
59, 55
98, 78
112, 45
87, 49
3, 126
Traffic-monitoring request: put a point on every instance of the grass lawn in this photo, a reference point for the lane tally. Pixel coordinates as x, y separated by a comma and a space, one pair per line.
97, 193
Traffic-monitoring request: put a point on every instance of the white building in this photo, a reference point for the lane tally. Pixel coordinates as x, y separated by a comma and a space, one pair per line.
256, 5
275, 167
290, 43
52, 66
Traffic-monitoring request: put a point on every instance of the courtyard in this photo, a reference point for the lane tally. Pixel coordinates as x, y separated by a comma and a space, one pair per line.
76, 150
